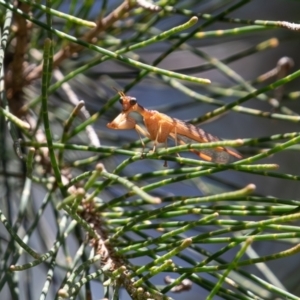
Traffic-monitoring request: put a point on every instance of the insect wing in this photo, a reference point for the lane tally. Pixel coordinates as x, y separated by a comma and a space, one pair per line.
194, 133
208, 154
191, 133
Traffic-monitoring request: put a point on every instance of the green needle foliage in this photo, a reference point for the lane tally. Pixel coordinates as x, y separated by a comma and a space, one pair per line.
91, 213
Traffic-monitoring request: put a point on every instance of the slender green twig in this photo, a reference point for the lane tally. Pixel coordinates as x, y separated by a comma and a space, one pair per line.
60, 14
105, 51
45, 82
231, 266
100, 59
16, 237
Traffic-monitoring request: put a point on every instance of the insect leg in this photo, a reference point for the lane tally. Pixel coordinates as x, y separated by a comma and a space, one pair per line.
176, 139
166, 146
140, 131
161, 135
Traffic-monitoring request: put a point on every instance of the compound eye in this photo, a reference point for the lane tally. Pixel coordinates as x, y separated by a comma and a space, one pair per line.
121, 101
132, 101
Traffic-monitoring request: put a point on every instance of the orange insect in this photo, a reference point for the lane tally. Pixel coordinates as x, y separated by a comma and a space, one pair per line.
161, 126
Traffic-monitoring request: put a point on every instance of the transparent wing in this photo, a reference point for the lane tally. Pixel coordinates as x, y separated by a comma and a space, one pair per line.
189, 133
210, 154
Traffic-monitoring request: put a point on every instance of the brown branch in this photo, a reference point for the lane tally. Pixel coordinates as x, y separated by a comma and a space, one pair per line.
15, 71
110, 260
90, 37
